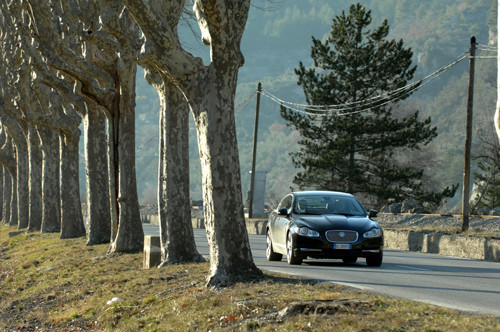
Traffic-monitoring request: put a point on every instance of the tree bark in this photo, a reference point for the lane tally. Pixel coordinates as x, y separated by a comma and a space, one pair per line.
210, 95
51, 221
230, 255
130, 236
2, 170
7, 196
17, 130
13, 205
72, 225
97, 175
35, 181
22, 175
176, 230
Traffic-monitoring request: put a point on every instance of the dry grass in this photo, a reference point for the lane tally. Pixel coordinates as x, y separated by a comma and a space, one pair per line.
48, 284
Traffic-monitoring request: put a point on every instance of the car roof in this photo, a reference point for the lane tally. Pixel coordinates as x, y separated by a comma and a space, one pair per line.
321, 192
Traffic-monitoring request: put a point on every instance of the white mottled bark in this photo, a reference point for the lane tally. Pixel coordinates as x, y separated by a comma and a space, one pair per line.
13, 206
2, 172
210, 95
225, 224
7, 198
98, 202
22, 175
71, 210
176, 230
1, 192
35, 181
130, 236
51, 222
16, 131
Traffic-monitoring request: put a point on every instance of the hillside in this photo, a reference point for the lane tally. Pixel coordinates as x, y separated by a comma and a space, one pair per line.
278, 36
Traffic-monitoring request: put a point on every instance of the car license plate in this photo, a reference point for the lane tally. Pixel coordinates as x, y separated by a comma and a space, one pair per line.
342, 246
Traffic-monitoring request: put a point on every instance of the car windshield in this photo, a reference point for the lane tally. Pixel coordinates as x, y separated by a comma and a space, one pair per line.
328, 204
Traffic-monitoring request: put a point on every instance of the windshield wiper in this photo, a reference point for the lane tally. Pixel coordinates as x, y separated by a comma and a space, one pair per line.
345, 214
310, 213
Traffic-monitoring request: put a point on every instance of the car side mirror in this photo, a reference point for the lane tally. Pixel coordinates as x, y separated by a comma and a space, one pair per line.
372, 213
283, 212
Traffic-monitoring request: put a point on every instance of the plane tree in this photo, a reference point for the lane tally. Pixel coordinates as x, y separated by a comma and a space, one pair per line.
107, 83
209, 92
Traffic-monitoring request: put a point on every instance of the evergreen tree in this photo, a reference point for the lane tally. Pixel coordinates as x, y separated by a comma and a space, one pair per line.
354, 147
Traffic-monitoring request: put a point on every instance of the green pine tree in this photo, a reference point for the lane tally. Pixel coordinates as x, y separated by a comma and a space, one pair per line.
354, 148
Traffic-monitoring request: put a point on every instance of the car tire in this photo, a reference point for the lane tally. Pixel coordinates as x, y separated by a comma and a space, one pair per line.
270, 254
349, 260
375, 260
290, 256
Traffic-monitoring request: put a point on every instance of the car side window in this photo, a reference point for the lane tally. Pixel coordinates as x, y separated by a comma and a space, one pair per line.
286, 203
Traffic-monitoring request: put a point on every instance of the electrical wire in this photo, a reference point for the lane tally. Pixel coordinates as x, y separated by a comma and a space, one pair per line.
486, 48
246, 101
362, 105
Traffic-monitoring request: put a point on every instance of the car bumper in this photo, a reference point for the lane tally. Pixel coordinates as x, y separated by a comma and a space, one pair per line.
321, 248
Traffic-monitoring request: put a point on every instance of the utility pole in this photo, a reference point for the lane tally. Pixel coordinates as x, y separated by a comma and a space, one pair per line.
468, 139
254, 152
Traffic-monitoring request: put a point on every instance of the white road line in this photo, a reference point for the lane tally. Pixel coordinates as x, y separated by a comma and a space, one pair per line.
413, 268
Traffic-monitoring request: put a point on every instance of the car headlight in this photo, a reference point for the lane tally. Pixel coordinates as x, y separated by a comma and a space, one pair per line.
374, 232
304, 231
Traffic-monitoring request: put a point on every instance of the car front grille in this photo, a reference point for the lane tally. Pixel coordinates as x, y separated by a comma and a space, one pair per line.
342, 236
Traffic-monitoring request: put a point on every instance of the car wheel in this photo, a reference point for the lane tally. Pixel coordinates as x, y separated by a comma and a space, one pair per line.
350, 260
290, 256
270, 254
375, 260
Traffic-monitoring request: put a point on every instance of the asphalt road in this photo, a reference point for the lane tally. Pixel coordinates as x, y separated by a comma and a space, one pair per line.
463, 284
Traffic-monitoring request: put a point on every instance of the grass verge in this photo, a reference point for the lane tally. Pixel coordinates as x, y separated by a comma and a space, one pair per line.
49, 284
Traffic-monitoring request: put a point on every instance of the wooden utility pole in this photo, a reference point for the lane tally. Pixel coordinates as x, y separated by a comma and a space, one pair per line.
468, 139
254, 152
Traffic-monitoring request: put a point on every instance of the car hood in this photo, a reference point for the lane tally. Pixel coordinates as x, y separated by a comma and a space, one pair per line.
339, 222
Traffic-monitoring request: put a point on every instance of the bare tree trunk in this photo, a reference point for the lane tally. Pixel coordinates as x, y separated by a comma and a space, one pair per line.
96, 162
18, 131
22, 175
7, 196
230, 255
177, 237
13, 206
130, 236
51, 222
210, 94
2, 170
35, 181
71, 209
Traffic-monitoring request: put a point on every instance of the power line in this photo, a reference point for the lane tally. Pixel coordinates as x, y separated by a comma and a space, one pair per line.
363, 105
489, 48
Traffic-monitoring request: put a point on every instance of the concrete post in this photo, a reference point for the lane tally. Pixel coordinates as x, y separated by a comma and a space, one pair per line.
259, 195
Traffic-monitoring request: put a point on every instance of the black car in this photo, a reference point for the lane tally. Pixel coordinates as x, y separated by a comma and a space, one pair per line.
323, 224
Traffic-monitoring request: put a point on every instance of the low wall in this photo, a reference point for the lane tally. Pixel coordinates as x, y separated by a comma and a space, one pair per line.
449, 245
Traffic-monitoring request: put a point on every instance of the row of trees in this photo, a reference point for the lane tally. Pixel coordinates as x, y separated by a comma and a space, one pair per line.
75, 60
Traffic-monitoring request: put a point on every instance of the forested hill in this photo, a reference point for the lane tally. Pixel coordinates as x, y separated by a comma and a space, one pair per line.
278, 36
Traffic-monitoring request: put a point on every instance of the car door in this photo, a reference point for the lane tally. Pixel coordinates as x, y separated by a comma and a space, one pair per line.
281, 224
